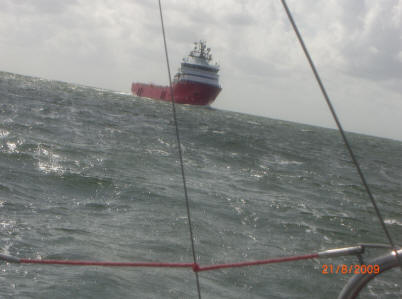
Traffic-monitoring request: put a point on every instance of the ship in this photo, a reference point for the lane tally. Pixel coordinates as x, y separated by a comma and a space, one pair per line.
195, 83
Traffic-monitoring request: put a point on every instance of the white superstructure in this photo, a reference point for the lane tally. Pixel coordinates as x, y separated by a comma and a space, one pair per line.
197, 68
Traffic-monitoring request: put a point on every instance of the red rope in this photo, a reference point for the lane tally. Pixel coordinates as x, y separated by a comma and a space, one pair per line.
195, 267
107, 264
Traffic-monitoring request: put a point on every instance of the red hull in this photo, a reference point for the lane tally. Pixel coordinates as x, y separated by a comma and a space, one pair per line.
185, 92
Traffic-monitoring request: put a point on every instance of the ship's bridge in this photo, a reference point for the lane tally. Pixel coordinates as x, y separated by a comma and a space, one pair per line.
198, 73
196, 66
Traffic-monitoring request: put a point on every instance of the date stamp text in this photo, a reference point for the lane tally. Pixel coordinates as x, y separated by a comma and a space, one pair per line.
350, 269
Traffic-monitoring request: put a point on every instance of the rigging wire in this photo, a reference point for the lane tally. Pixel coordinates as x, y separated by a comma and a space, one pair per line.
180, 155
342, 132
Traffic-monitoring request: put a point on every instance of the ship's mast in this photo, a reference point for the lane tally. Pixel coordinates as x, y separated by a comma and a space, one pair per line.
201, 51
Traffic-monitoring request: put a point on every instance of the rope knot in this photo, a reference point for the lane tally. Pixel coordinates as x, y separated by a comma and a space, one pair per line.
196, 267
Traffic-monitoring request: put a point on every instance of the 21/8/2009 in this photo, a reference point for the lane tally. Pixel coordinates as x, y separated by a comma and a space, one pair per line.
350, 269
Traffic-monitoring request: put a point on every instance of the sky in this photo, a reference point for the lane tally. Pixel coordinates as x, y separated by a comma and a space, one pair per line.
356, 46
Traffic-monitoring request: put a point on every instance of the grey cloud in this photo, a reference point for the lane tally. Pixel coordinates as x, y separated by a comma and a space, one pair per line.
373, 52
238, 19
38, 6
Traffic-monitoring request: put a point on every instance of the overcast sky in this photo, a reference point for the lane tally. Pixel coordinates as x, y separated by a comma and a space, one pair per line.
356, 46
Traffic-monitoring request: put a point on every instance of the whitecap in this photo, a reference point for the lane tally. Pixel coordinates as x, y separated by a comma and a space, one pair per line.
6, 249
8, 224
218, 132
392, 221
4, 133
12, 147
48, 168
287, 162
49, 162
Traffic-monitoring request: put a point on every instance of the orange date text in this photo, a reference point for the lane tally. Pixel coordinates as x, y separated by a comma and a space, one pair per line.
350, 269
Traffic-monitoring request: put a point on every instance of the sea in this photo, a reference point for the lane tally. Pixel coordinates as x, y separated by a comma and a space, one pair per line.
93, 174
